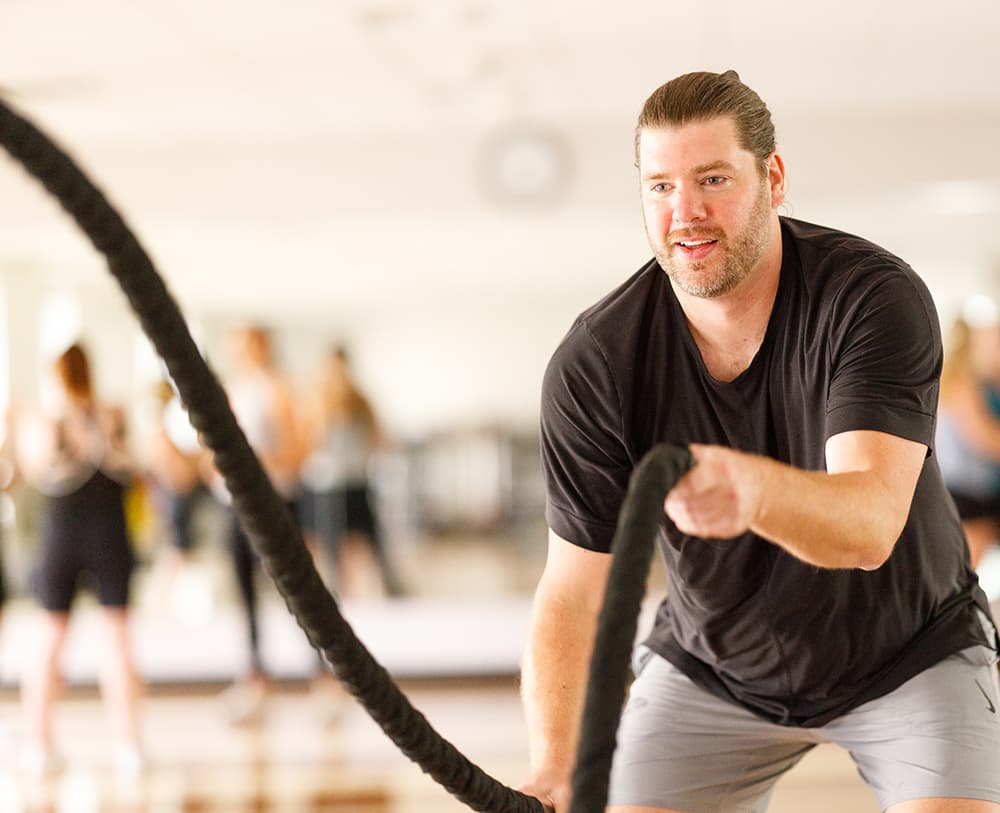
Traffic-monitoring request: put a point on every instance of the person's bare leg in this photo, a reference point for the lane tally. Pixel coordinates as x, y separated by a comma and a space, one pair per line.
120, 685
348, 583
320, 557
40, 680
358, 575
170, 564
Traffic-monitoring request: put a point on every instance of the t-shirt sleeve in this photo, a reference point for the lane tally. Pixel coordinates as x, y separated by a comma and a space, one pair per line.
584, 458
886, 357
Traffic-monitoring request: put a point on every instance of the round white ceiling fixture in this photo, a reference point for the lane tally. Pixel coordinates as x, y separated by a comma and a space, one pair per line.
525, 166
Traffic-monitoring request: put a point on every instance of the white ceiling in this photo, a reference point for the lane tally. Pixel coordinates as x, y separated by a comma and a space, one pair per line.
328, 158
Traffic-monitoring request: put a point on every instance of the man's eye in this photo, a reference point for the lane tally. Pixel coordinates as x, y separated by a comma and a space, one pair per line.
660, 187
715, 180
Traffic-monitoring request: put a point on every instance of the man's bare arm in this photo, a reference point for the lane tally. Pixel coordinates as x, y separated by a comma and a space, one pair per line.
556, 663
849, 516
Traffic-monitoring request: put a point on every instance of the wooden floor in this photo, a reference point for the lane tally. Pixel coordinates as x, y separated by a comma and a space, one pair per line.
300, 757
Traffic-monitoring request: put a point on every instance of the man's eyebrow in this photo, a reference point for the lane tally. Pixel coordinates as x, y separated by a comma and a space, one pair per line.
712, 166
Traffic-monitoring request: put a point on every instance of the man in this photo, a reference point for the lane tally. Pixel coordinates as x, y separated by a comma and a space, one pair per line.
819, 585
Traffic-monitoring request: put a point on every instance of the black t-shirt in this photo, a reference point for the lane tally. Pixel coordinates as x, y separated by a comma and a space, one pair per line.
853, 343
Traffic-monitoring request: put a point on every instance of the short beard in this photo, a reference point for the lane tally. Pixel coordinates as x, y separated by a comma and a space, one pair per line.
749, 246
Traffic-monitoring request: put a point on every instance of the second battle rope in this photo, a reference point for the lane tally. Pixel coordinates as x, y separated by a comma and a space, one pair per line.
632, 547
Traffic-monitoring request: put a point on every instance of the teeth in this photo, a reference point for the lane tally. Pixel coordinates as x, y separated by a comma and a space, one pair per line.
690, 243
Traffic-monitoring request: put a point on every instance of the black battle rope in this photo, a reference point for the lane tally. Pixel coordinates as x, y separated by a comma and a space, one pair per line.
265, 517
632, 546
278, 542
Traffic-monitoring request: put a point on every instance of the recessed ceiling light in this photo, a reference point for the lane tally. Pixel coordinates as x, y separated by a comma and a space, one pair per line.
525, 165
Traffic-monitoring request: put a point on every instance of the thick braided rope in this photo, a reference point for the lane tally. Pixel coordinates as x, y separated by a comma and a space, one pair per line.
258, 507
632, 549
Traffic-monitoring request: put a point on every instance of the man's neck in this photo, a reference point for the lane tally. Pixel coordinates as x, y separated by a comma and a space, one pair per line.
730, 329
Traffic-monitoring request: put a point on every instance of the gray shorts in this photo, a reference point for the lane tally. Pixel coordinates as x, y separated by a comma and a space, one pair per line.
679, 747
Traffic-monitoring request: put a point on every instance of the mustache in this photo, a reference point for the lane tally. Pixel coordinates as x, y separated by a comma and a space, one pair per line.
700, 234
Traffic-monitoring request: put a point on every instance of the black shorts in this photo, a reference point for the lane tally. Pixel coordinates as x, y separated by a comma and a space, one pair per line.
333, 514
85, 542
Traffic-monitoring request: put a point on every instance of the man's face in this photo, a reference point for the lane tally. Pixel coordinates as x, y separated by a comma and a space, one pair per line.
706, 207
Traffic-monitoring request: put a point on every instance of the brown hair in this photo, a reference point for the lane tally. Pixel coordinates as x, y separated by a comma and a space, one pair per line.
73, 370
340, 394
703, 95
258, 342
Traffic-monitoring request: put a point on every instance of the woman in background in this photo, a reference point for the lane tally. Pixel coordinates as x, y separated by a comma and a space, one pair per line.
73, 452
337, 504
968, 430
260, 396
175, 465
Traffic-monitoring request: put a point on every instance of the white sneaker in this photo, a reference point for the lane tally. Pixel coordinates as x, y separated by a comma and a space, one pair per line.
127, 760
39, 762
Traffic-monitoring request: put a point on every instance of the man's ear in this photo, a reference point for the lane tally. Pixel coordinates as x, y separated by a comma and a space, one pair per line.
776, 179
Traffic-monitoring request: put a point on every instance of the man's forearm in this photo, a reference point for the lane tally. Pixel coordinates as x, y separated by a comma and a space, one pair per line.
829, 520
850, 517
554, 678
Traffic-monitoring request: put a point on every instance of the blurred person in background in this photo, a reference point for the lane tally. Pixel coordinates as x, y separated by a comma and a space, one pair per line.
73, 450
968, 428
8, 478
175, 467
338, 504
260, 397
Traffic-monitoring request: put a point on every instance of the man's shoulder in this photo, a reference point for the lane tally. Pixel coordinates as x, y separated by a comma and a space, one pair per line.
848, 278
633, 296
846, 268
816, 244
606, 332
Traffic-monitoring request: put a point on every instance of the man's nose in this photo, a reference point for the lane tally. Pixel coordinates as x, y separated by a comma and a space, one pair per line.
689, 205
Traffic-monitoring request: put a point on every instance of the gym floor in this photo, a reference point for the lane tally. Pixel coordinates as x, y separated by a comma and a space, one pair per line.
307, 750
297, 757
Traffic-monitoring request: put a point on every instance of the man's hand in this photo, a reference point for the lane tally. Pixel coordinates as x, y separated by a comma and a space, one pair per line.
720, 497
554, 796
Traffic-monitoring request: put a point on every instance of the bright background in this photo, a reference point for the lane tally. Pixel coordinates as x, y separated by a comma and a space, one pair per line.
339, 169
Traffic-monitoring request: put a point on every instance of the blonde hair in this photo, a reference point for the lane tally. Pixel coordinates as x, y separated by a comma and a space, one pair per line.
340, 395
957, 356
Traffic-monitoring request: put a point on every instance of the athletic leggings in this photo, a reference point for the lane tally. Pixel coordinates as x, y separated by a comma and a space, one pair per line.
245, 566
